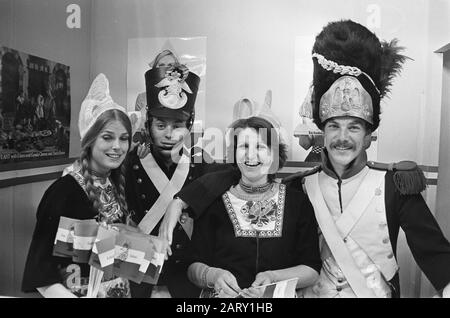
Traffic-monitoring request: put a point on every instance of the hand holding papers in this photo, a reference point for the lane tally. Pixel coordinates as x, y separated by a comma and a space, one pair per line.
117, 250
281, 289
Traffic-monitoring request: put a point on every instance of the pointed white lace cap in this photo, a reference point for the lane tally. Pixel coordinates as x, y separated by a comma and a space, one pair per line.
97, 101
246, 108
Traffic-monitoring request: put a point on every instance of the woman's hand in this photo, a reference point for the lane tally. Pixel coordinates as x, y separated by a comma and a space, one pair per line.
263, 278
225, 283
253, 292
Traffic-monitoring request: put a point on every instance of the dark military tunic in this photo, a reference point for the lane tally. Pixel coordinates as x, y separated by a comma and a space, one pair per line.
141, 194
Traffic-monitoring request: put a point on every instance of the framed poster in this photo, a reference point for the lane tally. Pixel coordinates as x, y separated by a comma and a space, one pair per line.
34, 110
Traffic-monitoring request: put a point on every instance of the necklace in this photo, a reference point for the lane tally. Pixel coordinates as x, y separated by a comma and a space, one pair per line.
256, 196
102, 177
255, 189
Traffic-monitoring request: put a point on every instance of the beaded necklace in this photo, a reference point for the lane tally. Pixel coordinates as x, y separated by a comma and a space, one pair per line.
255, 189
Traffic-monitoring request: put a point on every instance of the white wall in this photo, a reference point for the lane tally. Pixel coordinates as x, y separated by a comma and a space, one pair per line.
434, 146
38, 27
250, 48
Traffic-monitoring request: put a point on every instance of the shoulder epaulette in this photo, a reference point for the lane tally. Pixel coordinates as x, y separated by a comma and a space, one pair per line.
408, 177
302, 174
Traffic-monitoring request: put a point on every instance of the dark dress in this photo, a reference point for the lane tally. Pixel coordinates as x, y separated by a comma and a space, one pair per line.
217, 242
65, 197
141, 194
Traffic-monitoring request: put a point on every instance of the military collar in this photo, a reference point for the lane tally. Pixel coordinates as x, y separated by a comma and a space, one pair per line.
353, 168
162, 163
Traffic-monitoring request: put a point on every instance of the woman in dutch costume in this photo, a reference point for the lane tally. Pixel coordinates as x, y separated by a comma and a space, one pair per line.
258, 232
93, 189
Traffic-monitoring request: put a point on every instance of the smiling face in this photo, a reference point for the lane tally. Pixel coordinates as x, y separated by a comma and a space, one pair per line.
253, 157
110, 147
167, 135
345, 138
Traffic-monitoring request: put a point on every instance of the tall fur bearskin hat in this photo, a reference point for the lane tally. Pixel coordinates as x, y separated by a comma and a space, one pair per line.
353, 71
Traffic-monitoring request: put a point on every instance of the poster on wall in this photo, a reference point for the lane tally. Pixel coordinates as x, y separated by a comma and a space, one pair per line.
34, 108
141, 57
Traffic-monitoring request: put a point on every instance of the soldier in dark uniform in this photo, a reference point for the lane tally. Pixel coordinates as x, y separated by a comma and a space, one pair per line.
359, 205
152, 181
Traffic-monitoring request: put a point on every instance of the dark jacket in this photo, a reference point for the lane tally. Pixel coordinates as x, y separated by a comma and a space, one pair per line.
66, 198
141, 194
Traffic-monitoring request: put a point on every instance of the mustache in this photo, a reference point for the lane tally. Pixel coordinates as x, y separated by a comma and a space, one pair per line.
342, 143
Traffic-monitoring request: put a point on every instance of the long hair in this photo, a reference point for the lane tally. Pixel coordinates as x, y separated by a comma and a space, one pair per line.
117, 175
269, 135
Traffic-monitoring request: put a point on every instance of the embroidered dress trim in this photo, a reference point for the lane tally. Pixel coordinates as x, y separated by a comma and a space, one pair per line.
109, 209
272, 222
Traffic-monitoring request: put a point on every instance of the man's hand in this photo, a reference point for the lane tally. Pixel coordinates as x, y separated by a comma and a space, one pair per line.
184, 217
171, 217
142, 151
